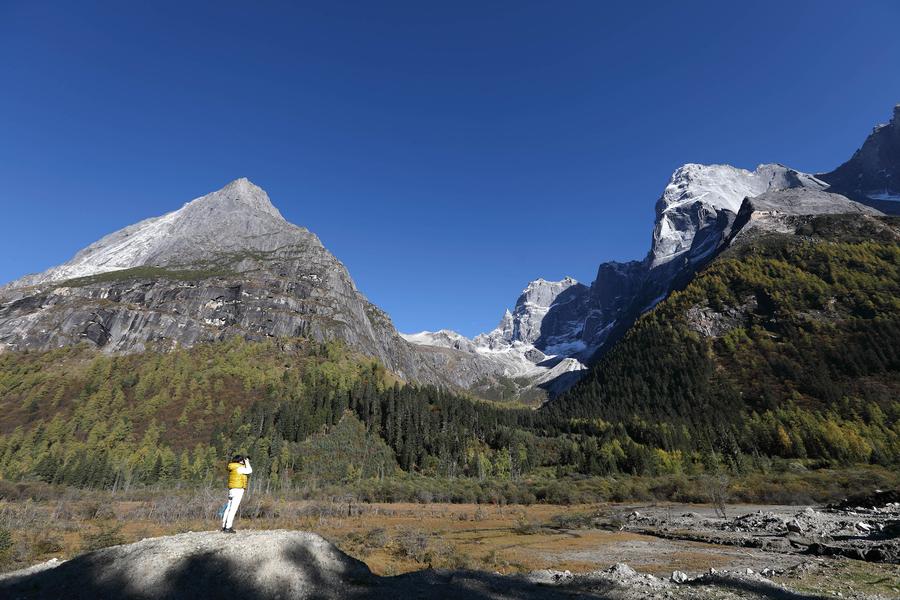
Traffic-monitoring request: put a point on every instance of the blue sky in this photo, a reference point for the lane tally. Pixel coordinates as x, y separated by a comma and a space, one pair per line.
447, 153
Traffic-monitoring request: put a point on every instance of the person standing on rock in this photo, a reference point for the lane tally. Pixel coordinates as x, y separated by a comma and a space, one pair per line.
238, 469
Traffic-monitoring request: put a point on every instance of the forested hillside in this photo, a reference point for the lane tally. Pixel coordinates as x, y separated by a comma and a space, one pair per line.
786, 345
302, 410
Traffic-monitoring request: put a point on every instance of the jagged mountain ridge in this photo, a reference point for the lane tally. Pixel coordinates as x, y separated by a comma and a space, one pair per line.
524, 345
694, 218
568, 321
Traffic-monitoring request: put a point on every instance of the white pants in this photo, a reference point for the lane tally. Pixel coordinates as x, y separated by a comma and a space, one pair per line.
234, 501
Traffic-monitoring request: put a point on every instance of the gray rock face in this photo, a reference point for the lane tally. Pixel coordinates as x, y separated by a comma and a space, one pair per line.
697, 195
612, 293
780, 211
250, 564
526, 322
872, 175
224, 227
712, 323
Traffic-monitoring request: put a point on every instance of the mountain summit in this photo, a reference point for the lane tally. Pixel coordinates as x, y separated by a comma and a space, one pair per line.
239, 217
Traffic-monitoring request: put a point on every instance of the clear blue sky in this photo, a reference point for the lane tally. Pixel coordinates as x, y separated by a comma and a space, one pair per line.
447, 153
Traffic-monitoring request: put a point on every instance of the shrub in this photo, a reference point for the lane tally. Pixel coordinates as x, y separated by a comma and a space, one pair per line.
45, 544
525, 527
412, 543
6, 546
103, 538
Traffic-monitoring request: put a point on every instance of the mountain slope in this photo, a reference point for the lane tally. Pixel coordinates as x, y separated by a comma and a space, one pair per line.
799, 317
225, 264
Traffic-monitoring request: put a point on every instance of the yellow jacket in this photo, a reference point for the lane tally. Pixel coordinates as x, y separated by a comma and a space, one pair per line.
237, 475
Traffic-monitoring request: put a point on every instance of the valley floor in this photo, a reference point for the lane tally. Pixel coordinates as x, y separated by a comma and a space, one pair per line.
755, 552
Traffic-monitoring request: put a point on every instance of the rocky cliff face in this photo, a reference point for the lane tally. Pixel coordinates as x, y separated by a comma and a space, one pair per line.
782, 211
526, 343
528, 323
872, 175
700, 200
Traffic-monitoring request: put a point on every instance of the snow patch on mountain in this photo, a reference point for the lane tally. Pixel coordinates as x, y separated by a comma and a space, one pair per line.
884, 196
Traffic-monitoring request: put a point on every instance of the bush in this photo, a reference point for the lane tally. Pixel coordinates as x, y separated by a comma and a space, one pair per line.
95, 510
6, 546
572, 521
411, 543
45, 544
103, 538
364, 543
525, 527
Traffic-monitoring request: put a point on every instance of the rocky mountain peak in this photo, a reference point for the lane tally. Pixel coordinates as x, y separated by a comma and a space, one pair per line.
237, 218
697, 195
240, 194
541, 293
872, 175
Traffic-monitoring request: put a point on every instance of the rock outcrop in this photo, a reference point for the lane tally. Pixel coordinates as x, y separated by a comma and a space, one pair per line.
872, 175
781, 211
248, 565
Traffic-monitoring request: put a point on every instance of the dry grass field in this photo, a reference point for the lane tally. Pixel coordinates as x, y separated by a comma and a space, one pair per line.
402, 537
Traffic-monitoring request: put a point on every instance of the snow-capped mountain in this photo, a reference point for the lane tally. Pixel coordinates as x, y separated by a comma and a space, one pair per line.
696, 198
561, 325
519, 346
228, 264
696, 215
526, 322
